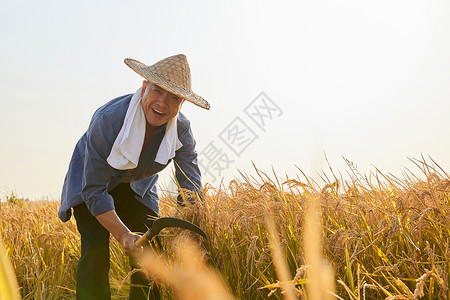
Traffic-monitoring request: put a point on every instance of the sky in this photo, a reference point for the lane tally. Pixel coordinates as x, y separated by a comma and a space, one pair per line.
288, 82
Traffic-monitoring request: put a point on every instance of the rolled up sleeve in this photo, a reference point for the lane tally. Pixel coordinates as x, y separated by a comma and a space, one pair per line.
97, 172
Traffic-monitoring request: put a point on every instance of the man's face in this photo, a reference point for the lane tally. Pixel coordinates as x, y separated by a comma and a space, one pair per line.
159, 105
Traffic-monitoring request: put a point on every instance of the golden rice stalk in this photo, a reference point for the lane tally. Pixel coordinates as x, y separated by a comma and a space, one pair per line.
9, 289
285, 280
320, 274
188, 276
422, 280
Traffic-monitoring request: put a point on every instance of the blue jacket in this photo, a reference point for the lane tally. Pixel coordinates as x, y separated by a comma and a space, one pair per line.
90, 177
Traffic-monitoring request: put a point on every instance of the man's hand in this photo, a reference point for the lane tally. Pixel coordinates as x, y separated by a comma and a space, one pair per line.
128, 240
110, 220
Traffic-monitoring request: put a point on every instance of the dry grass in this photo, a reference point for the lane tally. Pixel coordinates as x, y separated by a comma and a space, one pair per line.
369, 237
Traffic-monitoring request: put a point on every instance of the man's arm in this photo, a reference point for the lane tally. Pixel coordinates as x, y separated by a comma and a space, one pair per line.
111, 221
96, 178
187, 171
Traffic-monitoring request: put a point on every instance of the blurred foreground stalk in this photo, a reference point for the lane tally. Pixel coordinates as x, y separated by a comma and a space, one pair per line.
9, 289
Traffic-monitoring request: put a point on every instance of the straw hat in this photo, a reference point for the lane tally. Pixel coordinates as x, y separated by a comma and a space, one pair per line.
172, 74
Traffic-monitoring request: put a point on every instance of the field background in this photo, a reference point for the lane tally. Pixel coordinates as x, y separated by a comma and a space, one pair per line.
381, 237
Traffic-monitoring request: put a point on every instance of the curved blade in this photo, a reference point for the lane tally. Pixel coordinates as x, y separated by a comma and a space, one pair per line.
161, 223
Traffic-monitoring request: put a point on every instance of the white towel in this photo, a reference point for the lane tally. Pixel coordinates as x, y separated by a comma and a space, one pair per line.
127, 147
170, 142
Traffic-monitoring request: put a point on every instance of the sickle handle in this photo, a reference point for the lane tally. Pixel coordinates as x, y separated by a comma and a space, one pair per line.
141, 241
144, 238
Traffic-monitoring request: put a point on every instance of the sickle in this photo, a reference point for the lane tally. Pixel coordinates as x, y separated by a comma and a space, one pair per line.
161, 223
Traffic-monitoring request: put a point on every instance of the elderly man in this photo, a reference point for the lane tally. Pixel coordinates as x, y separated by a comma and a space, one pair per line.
111, 181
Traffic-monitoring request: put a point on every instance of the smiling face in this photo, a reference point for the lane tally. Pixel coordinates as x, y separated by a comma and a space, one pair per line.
159, 105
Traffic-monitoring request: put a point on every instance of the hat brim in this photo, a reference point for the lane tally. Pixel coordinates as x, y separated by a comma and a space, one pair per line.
147, 72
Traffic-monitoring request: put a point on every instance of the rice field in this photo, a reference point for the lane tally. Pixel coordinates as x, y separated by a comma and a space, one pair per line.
371, 236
